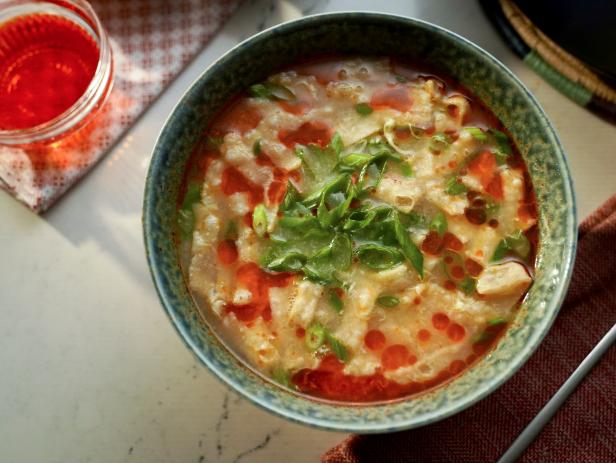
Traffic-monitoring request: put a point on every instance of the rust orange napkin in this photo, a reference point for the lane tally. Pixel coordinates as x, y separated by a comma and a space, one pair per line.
584, 430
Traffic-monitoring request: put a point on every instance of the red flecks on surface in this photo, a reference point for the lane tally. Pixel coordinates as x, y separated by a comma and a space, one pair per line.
456, 332
440, 321
432, 243
227, 252
393, 96
46, 64
396, 356
240, 116
485, 168
452, 242
450, 285
424, 335
457, 366
297, 107
374, 340
233, 181
300, 332
457, 272
316, 132
473, 267
258, 282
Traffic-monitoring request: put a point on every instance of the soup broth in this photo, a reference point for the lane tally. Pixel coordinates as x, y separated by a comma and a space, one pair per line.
362, 231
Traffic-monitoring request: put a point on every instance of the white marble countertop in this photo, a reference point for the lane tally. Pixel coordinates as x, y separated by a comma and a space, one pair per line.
92, 370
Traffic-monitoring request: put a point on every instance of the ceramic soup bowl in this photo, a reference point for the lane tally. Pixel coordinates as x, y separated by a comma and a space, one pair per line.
380, 35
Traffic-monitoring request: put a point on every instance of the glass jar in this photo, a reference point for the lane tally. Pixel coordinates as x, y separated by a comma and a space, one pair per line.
26, 18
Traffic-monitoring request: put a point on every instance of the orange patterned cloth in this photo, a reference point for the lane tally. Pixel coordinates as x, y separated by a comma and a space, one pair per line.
584, 429
152, 41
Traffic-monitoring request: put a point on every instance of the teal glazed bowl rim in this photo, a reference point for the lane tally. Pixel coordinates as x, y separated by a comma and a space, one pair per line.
370, 33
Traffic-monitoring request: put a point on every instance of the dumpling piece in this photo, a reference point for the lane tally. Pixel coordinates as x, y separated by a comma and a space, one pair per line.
503, 279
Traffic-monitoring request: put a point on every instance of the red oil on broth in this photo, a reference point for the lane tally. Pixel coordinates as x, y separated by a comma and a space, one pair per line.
308, 167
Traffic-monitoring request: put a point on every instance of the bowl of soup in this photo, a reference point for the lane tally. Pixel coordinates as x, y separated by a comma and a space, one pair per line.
360, 222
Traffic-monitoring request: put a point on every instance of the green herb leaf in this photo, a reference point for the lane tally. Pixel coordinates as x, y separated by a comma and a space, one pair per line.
516, 242
256, 147
290, 262
282, 376
335, 201
439, 142
401, 79
455, 187
186, 222
315, 336
502, 140
193, 195
439, 224
468, 285
231, 231
290, 199
259, 220
477, 134
336, 144
363, 109
338, 348
271, 91
356, 160
186, 216
501, 250
378, 257
387, 301
497, 321
501, 158
335, 301
406, 169
409, 249
342, 251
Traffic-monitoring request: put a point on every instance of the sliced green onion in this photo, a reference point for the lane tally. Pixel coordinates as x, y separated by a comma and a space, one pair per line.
315, 336
477, 133
363, 109
439, 142
271, 91
290, 262
256, 147
338, 348
409, 249
516, 242
502, 140
335, 301
387, 301
455, 187
406, 169
439, 224
468, 285
379, 257
231, 231
186, 222
497, 321
259, 220
401, 79
282, 376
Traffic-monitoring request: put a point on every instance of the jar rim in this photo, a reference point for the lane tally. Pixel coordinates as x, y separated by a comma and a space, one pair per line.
81, 13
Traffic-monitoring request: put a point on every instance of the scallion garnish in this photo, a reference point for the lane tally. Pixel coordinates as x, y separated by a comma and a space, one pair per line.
363, 109
259, 220
439, 224
387, 301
